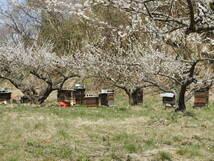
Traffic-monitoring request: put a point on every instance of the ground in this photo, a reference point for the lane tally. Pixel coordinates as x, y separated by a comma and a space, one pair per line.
149, 132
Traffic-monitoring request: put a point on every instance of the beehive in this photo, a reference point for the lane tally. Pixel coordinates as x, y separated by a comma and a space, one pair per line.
138, 97
64, 97
168, 99
201, 97
106, 98
5, 95
79, 94
91, 101
24, 99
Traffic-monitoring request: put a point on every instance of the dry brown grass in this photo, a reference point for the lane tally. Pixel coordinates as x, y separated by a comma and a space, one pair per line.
147, 133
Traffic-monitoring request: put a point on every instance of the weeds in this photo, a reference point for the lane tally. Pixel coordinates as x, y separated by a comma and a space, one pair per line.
147, 132
164, 156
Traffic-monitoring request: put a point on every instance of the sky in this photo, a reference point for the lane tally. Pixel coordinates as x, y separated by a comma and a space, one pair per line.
3, 5
4, 2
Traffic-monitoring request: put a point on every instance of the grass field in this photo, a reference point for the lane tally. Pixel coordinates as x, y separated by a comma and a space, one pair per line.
148, 132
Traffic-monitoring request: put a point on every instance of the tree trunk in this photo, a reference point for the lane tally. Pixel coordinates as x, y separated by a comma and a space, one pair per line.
31, 94
44, 95
181, 99
135, 96
38, 98
131, 99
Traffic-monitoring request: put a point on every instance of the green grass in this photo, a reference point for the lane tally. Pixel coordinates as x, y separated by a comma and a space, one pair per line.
148, 132
164, 156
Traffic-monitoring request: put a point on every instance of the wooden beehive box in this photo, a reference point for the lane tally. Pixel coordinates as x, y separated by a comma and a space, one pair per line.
79, 94
91, 101
64, 95
138, 97
201, 97
103, 99
106, 98
168, 99
24, 99
4, 95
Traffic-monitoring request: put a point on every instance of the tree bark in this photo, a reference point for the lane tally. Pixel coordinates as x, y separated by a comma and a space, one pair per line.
135, 97
181, 99
131, 99
31, 94
187, 82
44, 95
38, 98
